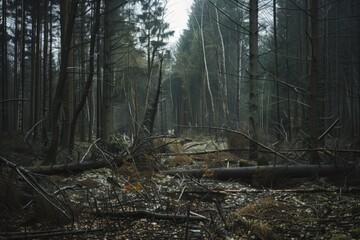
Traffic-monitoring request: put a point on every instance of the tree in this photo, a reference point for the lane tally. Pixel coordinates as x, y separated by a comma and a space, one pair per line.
67, 18
107, 84
87, 90
4, 68
153, 33
313, 85
253, 75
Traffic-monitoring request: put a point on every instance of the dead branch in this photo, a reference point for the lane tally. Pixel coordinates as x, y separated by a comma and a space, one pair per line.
328, 130
15, 100
73, 167
46, 233
147, 214
89, 148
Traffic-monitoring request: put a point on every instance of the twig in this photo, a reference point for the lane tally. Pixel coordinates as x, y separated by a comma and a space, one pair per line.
199, 215
46, 233
328, 130
15, 100
88, 150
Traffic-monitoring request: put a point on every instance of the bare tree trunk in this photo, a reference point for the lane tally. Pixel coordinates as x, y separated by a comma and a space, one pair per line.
15, 120
35, 78
278, 119
288, 120
253, 71
223, 70
151, 110
239, 53
206, 68
81, 125
106, 118
89, 80
313, 98
358, 69
67, 16
99, 98
50, 69
46, 85
20, 126
68, 99
4, 82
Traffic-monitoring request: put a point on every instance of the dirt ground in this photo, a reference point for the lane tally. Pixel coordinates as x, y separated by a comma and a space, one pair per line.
123, 203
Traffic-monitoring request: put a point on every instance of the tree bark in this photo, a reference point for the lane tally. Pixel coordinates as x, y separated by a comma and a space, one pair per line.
206, 67
313, 98
276, 70
106, 116
4, 82
46, 84
223, 79
253, 71
151, 109
68, 13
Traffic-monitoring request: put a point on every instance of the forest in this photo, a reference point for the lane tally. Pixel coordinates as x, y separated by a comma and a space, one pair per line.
248, 127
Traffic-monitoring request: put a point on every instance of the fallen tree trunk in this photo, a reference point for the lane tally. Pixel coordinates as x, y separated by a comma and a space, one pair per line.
73, 167
247, 173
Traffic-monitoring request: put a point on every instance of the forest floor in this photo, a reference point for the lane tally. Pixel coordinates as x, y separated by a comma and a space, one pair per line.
123, 203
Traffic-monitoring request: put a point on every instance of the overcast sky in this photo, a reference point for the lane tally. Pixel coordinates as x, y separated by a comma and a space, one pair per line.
177, 16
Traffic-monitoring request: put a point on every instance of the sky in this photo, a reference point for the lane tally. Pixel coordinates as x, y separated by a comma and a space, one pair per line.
177, 16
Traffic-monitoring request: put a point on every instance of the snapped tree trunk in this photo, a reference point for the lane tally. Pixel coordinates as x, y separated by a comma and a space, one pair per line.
151, 109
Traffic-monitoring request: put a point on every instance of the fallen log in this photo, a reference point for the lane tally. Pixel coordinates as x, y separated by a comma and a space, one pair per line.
148, 214
247, 173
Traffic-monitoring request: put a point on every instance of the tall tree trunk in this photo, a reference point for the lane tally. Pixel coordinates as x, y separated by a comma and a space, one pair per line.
239, 56
213, 113
278, 119
99, 91
68, 99
253, 71
358, 68
15, 120
22, 67
313, 98
50, 68
46, 85
223, 73
89, 80
4, 75
82, 78
288, 117
35, 72
50, 59
106, 118
67, 16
